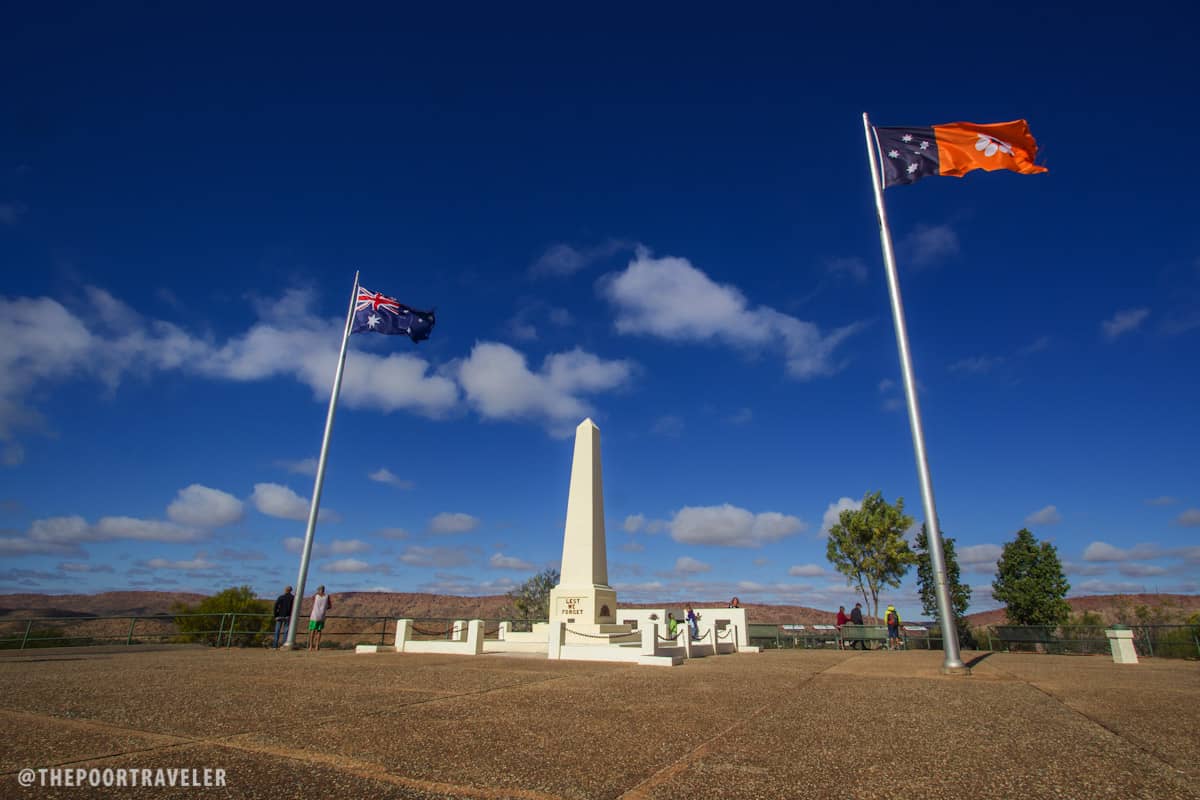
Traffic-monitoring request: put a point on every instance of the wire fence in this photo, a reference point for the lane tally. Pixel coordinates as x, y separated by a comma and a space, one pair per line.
1150, 641
228, 629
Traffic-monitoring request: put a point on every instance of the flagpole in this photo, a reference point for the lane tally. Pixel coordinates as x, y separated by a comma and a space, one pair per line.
952, 662
315, 505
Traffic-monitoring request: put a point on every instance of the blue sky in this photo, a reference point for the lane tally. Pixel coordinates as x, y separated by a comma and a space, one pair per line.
665, 224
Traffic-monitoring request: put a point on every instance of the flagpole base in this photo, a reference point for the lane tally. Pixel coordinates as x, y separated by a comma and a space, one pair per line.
959, 670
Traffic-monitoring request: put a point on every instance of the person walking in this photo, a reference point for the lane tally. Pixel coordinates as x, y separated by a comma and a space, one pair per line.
321, 605
283, 614
693, 620
892, 618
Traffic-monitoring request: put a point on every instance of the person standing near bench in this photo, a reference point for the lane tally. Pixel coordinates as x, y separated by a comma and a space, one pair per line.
893, 624
857, 619
322, 603
283, 613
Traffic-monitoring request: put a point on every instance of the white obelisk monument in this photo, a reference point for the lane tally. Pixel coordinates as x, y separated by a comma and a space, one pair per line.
583, 599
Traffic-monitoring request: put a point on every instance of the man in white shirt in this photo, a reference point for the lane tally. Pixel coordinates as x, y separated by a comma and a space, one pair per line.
316, 618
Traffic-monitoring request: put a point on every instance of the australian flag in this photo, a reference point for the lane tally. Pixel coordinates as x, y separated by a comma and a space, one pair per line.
374, 312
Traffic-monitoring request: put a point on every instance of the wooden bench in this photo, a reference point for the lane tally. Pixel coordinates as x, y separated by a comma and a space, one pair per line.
851, 634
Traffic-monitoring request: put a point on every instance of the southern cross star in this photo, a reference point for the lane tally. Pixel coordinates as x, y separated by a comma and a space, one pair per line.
906, 137
912, 168
893, 153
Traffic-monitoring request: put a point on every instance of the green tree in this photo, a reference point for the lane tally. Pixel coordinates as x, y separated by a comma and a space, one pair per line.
531, 600
1030, 582
234, 600
960, 593
868, 547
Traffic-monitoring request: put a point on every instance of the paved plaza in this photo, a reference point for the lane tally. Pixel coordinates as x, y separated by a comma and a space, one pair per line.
779, 724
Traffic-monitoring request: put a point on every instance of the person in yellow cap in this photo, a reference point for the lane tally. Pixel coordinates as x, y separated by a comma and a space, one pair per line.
892, 618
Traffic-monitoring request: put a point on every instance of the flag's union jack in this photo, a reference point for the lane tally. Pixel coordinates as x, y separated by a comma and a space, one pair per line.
376, 301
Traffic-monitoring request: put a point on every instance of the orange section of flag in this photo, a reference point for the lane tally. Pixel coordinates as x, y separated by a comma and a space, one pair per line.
966, 146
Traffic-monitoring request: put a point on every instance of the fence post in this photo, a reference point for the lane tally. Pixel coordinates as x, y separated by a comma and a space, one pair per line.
129, 638
232, 624
382, 629
25, 638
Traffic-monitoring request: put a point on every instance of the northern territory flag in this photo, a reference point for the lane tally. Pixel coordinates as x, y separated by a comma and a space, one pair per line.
908, 154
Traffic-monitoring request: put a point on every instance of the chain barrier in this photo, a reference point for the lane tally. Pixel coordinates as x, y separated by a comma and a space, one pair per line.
724, 635
603, 635
674, 638
446, 632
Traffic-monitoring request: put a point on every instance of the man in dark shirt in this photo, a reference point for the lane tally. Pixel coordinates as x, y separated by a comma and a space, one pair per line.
283, 613
856, 618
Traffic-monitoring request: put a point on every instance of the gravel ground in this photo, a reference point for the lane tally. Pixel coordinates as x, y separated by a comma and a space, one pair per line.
780, 724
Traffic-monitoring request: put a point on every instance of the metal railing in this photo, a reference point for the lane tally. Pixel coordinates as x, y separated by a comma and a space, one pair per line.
1161, 641
221, 629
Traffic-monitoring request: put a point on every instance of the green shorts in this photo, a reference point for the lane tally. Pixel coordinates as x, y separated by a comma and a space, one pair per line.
316, 624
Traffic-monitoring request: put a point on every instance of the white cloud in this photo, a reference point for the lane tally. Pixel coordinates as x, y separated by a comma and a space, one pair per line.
348, 565
806, 571
1123, 322
929, 244
499, 384
305, 466
462, 585
742, 416
979, 558
418, 556
279, 501
196, 564
81, 566
385, 475
1163, 500
337, 547
147, 530
501, 561
1103, 551
730, 526
447, 522
1107, 587
1142, 570
833, 512
63, 535
671, 299
563, 260
634, 523
853, 266
1046, 516
686, 565
41, 341
204, 507
1189, 518
345, 547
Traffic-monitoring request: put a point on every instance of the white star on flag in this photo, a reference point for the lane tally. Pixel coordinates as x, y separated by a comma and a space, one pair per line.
373, 320
906, 137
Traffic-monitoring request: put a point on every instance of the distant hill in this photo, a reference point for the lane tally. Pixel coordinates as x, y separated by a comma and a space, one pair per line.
1112, 608
417, 605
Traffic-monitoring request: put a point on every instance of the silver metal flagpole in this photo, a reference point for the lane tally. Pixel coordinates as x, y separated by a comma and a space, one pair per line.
953, 662
320, 480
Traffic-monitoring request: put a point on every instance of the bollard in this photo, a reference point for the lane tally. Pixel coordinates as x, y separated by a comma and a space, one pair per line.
1120, 639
